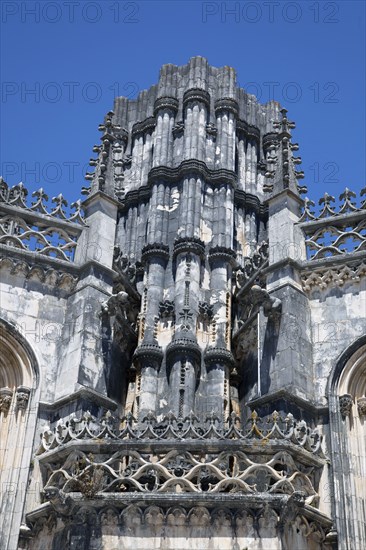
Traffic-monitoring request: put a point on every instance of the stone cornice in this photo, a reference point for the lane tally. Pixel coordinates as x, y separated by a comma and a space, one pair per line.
80, 393
287, 394
192, 167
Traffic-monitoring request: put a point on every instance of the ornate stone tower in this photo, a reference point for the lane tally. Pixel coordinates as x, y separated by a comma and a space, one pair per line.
171, 343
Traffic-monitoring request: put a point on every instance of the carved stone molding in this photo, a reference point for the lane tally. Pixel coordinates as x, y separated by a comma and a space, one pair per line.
22, 397
189, 244
155, 250
6, 396
183, 346
149, 354
221, 253
193, 167
196, 94
42, 273
166, 102
227, 104
222, 356
361, 407
345, 404
147, 125
248, 130
333, 275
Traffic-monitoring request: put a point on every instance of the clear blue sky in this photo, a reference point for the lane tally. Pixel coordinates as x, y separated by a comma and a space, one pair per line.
77, 55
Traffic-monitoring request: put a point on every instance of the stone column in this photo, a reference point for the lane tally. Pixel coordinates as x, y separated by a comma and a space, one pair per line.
183, 354
148, 357
195, 105
164, 111
218, 357
226, 110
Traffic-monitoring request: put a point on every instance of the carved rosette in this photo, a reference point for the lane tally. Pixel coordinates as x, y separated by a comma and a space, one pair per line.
361, 407
6, 396
22, 398
345, 404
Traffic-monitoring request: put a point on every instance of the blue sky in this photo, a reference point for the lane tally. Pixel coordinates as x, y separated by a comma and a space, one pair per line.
77, 55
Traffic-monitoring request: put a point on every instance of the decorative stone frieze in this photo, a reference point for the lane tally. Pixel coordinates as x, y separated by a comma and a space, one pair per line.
6, 396
345, 404
331, 274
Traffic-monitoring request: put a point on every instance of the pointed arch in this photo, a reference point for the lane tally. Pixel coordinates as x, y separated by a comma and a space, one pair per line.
19, 388
346, 395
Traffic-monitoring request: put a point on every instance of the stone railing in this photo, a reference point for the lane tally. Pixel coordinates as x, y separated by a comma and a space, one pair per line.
34, 226
334, 231
182, 456
182, 429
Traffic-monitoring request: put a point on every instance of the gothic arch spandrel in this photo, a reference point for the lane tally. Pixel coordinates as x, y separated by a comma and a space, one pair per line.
18, 382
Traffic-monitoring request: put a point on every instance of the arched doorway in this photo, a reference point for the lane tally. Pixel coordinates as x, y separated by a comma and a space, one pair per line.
18, 413
347, 404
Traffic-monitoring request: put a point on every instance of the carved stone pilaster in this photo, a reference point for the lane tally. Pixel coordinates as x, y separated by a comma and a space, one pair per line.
6, 396
361, 407
345, 404
22, 398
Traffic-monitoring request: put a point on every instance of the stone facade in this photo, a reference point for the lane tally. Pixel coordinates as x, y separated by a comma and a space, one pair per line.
183, 353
